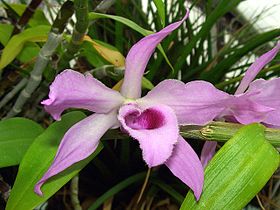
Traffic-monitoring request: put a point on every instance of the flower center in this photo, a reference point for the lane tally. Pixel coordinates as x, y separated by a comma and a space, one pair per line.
129, 101
148, 119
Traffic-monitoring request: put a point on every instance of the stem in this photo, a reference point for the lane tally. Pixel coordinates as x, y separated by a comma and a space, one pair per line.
214, 131
260, 202
65, 13
222, 132
81, 12
13, 92
144, 185
25, 17
36, 74
54, 39
74, 188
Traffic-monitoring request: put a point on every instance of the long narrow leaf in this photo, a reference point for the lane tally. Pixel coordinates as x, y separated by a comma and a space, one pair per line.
16, 43
237, 172
161, 10
109, 53
221, 8
216, 73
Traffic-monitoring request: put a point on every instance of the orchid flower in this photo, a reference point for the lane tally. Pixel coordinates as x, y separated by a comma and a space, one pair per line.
152, 120
253, 101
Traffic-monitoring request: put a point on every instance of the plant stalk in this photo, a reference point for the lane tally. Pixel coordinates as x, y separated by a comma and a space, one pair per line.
13, 92
214, 131
80, 29
26, 16
75, 193
54, 39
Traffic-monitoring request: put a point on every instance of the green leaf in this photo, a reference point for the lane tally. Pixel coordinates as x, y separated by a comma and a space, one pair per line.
92, 56
17, 134
5, 33
237, 172
134, 26
222, 7
29, 52
108, 52
16, 43
234, 55
37, 160
125, 21
147, 83
161, 10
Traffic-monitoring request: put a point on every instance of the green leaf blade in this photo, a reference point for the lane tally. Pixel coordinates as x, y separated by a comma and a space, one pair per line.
237, 172
125, 21
147, 83
216, 73
161, 10
16, 43
5, 33
38, 159
17, 134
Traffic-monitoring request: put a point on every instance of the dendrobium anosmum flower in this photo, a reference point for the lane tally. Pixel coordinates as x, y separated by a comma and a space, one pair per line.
152, 120
253, 101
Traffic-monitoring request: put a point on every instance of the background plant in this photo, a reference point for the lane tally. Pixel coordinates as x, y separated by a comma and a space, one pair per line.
215, 44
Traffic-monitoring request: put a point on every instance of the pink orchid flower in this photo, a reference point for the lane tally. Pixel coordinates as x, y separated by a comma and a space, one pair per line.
253, 101
152, 120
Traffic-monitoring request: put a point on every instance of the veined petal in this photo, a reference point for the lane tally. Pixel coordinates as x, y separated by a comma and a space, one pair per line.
155, 128
255, 68
138, 57
266, 92
79, 142
273, 119
245, 110
72, 89
207, 152
196, 102
185, 164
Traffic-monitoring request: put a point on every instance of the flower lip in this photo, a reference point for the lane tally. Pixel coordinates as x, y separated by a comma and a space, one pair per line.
156, 130
148, 119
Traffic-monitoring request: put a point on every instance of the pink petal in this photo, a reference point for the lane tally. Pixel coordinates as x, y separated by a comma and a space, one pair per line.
72, 89
273, 119
155, 128
138, 57
207, 152
267, 94
185, 164
255, 68
245, 110
79, 142
196, 102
